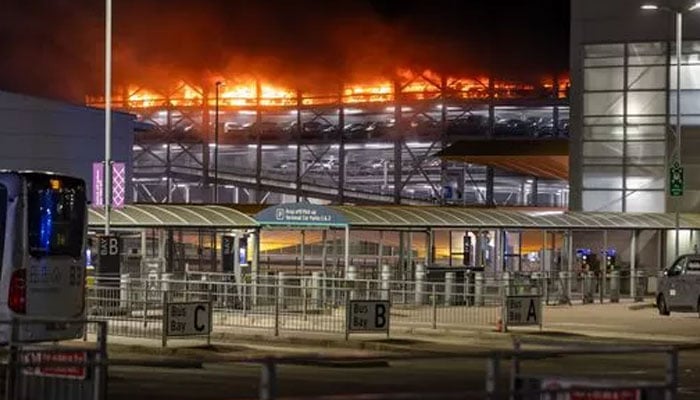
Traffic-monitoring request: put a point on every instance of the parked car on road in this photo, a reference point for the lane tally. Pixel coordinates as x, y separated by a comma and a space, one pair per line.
679, 287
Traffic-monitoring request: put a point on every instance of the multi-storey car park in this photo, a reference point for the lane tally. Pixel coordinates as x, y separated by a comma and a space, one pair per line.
245, 140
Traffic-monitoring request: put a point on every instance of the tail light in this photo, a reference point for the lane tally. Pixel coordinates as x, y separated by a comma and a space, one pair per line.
17, 299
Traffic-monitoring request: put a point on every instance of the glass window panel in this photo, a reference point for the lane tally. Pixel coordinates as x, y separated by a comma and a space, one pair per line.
690, 76
602, 177
646, 49
690, 102
645, 177
603, 132
604, 50
602, 152
646, 120
603, 78
602, 103
603, 200
646, 103
647, 60
593, 121
646, 78
645, 152
641, 132
643, 201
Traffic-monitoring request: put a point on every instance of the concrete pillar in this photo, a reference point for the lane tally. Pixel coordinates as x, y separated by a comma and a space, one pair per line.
324, 250
351, 277
281, 282
303, 253
347, 246
633, 264
316, 291
506, 284
385, 281
615, 286
420, 293
479, 289
449, 288
380, 250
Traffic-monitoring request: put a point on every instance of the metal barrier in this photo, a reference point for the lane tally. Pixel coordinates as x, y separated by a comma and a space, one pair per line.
55, 371
313, 303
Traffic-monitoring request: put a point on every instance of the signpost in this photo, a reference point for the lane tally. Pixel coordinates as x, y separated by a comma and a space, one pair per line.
187, 319
676, 180
367, 316
523, 311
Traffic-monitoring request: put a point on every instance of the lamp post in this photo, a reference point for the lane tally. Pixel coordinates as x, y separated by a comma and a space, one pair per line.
675, 158
108, 114
216, 142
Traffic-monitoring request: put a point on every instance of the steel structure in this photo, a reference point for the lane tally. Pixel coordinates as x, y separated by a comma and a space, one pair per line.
356, 144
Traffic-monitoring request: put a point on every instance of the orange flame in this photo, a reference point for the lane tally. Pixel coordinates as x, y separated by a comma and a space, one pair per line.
247, 91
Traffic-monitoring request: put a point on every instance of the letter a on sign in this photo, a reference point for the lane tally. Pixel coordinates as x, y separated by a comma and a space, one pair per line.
532, 311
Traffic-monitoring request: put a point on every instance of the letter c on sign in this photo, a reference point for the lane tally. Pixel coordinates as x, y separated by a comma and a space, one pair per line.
199, 327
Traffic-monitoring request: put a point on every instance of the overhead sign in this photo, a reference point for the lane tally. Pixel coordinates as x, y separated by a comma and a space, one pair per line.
109, 251
523, 310
300, 214
368, 316
188, 319
118, 184
676, 180
70, 365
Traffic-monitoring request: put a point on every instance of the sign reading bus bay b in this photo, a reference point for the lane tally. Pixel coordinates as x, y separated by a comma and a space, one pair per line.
368, 316
109, 250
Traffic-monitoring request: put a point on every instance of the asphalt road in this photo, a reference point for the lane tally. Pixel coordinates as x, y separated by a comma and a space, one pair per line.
225, 380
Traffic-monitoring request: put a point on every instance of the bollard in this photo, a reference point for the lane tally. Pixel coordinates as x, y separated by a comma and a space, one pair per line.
614, 286
505, 287
385, 281
479, 288
563, 288
268, 381
124, 283
351, 277
420, 284
639, 286
281, 300
449, 288
588, 287
254, 288
316, 289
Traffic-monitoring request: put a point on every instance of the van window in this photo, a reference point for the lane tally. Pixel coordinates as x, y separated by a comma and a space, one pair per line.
693, 265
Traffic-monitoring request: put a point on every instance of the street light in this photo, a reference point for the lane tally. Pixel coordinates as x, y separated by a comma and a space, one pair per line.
108, 114
676, 156
216, 142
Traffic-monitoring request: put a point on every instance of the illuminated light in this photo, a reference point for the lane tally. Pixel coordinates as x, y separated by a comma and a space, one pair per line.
164, 178
212, 145
694, 6
389, 109
247, 112
55, 184
252, 146
649, 7
378, 145
416, 144
291, 146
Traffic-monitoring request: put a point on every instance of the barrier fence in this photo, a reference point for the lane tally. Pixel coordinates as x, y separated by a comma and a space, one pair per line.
65, 371
316, 303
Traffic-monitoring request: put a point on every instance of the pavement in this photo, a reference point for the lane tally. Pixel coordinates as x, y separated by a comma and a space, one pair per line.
622, 323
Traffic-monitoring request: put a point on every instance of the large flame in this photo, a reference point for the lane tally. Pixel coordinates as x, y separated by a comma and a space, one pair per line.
252, 92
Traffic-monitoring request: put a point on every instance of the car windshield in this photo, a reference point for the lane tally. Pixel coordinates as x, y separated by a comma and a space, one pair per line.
56, 215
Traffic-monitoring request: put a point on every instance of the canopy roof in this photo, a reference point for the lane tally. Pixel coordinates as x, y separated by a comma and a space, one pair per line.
170, 215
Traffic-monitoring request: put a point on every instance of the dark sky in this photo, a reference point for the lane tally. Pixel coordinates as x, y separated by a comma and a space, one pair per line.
55, 48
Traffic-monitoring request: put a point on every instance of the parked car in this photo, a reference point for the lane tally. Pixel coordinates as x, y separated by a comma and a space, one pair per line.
470, 125
266, 130
679, 286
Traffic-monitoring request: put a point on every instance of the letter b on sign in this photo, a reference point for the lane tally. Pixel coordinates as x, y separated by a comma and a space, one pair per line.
380, 316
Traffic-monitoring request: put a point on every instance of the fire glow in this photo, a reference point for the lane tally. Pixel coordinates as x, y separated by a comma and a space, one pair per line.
252, 92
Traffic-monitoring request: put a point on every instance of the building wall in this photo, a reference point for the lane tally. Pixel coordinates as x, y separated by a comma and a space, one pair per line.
621, 71
40, 134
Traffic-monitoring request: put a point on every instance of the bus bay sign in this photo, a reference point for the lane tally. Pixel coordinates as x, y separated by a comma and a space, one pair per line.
523, 311
367, 316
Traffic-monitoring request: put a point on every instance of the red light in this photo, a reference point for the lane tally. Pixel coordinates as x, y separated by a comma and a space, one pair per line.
17, 299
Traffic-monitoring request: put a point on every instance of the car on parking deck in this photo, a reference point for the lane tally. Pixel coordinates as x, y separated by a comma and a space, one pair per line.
679, 286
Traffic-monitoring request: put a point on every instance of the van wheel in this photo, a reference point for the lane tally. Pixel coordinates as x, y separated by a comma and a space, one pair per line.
661, 305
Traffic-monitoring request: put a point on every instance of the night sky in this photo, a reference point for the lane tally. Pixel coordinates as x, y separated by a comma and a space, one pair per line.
55, 48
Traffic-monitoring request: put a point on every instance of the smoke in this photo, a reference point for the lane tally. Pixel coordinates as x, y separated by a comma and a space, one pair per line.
56, 47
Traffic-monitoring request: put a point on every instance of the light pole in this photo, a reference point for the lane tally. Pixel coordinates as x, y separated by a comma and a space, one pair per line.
675, 158
216, 142
108, 114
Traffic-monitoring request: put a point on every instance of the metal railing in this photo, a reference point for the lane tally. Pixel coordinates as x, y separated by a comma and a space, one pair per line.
37, 371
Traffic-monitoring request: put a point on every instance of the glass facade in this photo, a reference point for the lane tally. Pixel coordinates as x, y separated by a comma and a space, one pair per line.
626, 109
